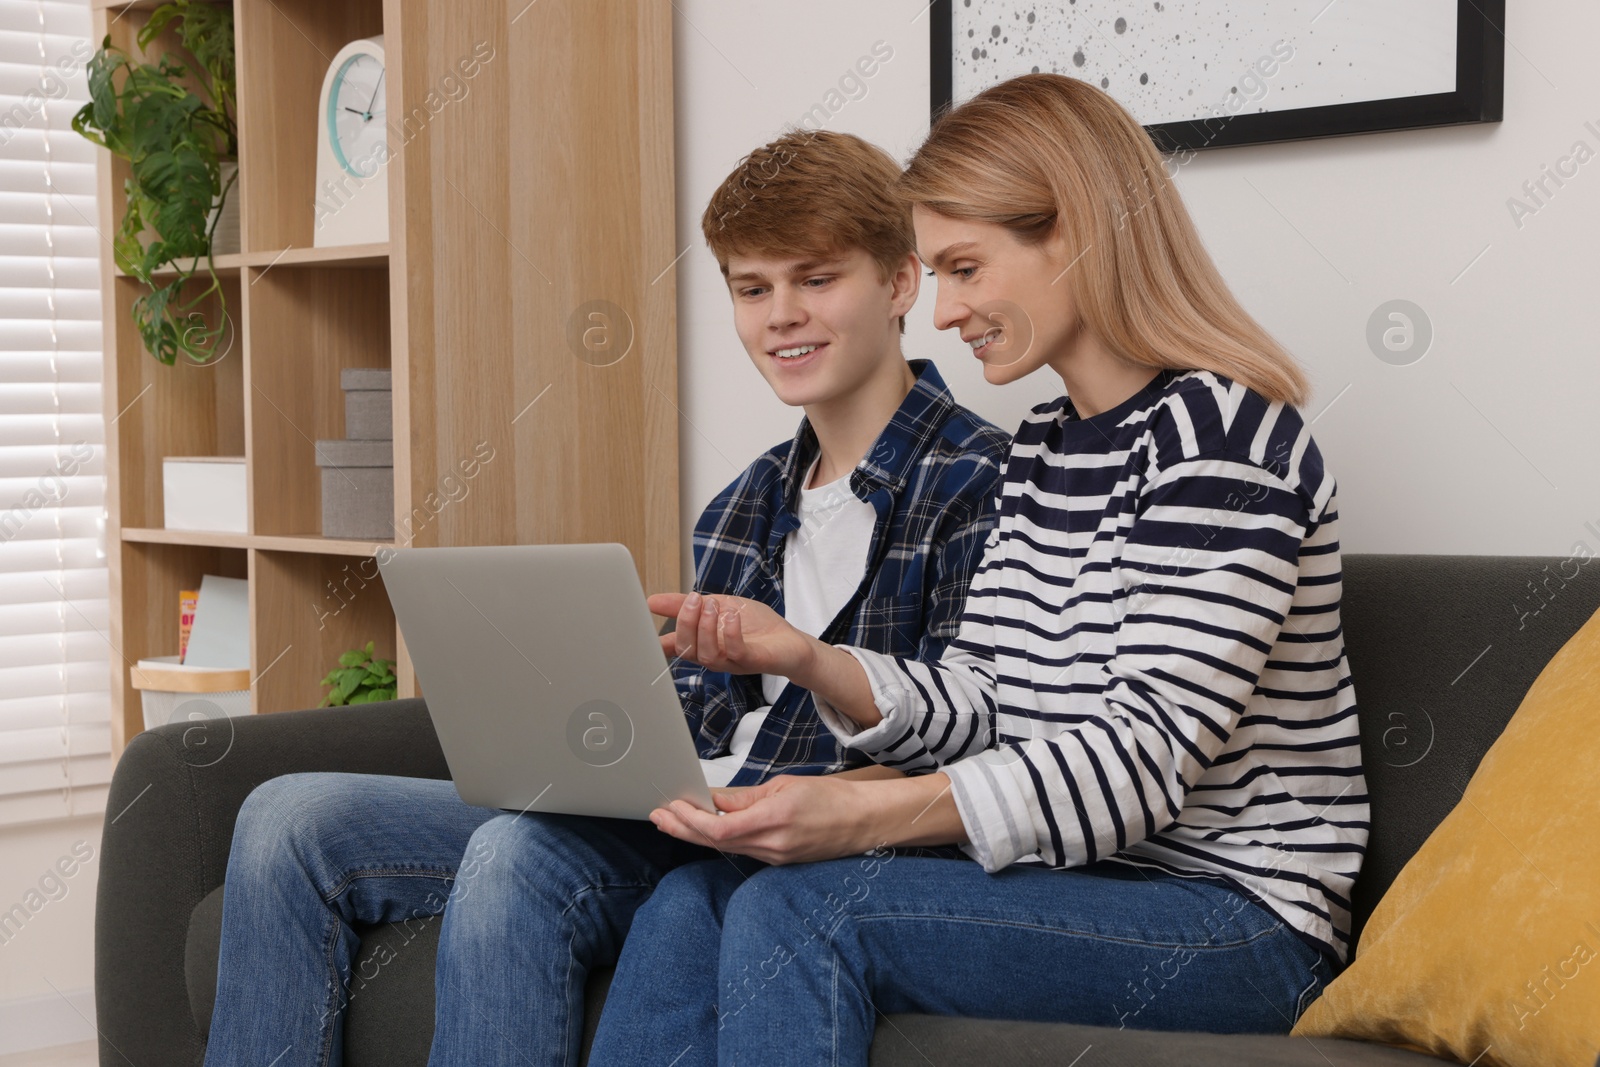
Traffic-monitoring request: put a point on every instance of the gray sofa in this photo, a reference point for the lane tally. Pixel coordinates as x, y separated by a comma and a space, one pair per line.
1442, 649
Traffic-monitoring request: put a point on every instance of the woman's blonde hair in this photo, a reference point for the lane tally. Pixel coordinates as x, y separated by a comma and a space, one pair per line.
1045, 150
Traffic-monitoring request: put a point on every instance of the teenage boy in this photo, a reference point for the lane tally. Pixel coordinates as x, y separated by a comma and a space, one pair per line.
866, 527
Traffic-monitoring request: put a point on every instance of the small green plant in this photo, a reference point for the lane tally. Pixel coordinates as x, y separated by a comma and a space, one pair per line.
176, 143
360, 678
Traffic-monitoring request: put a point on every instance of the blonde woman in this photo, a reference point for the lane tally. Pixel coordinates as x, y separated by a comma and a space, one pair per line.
1144, 732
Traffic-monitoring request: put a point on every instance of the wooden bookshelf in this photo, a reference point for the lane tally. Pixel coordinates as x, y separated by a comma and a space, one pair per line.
506, 222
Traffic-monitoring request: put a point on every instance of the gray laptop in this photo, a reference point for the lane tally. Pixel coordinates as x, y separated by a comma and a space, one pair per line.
545, 678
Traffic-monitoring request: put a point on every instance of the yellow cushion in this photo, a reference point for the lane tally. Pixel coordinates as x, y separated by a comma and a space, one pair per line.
1486, 949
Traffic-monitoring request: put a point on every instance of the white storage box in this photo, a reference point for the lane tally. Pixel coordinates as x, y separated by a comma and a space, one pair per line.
204, 493
169, 688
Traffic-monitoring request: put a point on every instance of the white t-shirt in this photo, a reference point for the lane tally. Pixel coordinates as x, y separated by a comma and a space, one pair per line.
823, 563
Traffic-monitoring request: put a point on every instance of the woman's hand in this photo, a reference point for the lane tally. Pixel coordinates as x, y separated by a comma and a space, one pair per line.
800, 818
732, 634
786, 819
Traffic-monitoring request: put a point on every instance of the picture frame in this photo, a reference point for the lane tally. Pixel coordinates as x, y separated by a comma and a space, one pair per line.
1474, 95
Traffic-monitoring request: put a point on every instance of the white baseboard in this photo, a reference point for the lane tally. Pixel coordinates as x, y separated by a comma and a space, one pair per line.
29, 1023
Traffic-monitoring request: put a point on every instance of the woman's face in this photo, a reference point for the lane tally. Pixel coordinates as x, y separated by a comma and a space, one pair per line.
1012, 303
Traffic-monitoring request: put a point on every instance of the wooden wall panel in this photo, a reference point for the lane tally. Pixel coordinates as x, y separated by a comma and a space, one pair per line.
543, 199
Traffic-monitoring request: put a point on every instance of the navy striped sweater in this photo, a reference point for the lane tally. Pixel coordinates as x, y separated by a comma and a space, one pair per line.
1150, 666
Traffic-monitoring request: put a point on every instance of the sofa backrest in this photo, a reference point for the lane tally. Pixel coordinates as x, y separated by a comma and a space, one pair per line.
1442, 650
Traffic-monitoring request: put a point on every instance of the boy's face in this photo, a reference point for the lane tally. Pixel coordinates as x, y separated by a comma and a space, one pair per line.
838, 304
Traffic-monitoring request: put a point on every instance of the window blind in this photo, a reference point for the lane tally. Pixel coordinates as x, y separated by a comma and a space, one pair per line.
55, 734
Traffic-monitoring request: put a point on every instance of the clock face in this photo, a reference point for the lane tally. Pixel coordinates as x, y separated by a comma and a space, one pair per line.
356, 126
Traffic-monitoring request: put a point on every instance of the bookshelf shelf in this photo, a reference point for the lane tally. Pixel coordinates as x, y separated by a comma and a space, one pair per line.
228, 264
375, 255
327, 546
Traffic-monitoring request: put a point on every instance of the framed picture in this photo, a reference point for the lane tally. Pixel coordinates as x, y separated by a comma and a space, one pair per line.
1208, 75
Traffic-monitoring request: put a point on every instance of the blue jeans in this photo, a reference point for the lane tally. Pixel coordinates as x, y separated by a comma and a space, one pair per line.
805, 955
530, 903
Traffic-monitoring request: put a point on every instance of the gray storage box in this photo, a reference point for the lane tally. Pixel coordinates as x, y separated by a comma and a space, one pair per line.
368, 410
357, 489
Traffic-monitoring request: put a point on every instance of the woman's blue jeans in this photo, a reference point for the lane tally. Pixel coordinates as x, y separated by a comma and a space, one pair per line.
530, 903
806, 956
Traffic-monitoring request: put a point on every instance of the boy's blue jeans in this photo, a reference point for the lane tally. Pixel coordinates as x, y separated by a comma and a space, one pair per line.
534, 901
728, 960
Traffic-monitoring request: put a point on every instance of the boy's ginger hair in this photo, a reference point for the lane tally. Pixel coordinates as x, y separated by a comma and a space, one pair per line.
812, 193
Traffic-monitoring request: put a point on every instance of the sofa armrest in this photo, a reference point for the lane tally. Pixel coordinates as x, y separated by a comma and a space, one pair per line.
170, 813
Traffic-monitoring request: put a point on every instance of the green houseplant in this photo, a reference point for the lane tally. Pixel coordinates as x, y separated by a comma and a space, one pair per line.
177, 144
361, 678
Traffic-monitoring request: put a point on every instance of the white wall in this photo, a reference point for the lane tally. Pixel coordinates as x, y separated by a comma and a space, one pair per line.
1485, 445
47, 967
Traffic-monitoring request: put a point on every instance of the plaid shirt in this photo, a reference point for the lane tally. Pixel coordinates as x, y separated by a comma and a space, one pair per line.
931, 476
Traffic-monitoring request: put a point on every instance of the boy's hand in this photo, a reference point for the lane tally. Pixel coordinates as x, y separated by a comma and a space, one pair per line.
732, 634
